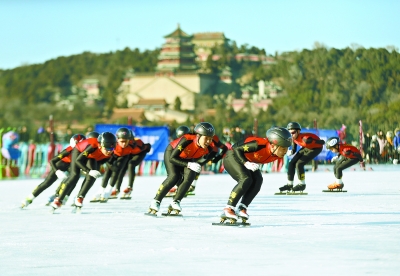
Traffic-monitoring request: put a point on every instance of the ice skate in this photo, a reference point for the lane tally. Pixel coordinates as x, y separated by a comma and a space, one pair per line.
114, 194
154, 207
78, 205
336, 186
28, 200
191, 190
287, 187
299, 187
50, 200
172, 191
65, 200
56, 204
126, 193
104, 196
175, 207
241, 212
96, 198
229, 214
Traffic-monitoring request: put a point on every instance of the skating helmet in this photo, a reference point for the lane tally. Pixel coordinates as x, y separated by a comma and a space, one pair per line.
93, 134
181, 131
279, 136
124, 133
75, 139
332, 142
293, 125
205, 129
107, 140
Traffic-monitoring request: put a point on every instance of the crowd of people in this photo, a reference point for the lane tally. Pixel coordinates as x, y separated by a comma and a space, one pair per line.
184, 157
381, 148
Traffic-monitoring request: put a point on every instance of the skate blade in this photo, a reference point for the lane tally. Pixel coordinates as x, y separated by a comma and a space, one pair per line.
171, 215
334, 191
94, 200
296, 193
126, 198
76, 210
281, 193
237, 224
151, 214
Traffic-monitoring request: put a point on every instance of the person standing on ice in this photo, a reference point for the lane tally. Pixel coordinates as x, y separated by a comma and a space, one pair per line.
242, 164
180, 160
347, 157
311, 146
59, 165
88, 155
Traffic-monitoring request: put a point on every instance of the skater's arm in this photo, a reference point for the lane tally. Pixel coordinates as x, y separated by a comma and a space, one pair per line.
239, 149
60, 156
175, 159
82, 158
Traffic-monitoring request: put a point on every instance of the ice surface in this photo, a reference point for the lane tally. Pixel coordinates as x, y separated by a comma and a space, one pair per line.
353, 233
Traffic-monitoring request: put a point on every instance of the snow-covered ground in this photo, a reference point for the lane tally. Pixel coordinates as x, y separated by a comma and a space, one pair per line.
353, 233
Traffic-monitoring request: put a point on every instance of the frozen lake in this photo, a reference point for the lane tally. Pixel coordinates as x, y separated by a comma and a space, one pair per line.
353, 233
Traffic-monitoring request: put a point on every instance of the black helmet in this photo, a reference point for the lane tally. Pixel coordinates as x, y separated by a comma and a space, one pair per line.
279, 136
181, 131
124, 133
93, 134
75, 139
293, 125
332, 142
107, 140
205, 129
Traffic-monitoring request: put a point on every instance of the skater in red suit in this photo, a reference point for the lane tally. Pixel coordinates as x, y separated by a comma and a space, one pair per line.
139, 152
242, 163
311, 145
59, 165
347, 156
181, 161
87, 156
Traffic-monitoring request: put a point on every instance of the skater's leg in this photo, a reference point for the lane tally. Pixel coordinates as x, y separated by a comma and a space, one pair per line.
117, 177
174, 174
342, 165
243, 176
133, 163
307, 156
188, 177
50, 179
254, 188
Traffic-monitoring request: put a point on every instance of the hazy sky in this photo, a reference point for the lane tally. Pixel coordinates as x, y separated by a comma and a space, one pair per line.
34, 31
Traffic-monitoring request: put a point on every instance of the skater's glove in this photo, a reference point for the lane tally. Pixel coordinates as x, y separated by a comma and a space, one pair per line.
251, 166
335, 158
94, 173
291, 152
61, 175
196, 167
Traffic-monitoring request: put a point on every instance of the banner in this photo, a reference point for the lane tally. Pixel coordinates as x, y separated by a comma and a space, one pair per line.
157, 137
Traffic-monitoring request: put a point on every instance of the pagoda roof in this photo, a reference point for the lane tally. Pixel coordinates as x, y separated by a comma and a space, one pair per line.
178, 33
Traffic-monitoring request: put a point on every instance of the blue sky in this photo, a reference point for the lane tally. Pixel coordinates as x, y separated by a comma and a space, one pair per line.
34, 31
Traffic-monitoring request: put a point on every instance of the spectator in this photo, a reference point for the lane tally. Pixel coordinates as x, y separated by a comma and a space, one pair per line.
396, 146
374, 150
382, 144
23, 135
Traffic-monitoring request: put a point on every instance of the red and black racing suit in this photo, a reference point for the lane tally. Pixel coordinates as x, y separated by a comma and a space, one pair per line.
178, 154
311, 145
252, 149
